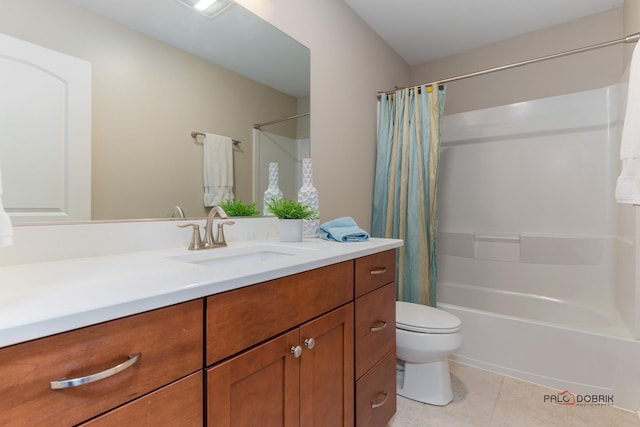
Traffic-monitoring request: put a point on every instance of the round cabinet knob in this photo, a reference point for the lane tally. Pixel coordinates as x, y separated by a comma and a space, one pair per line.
310, 343
296, 351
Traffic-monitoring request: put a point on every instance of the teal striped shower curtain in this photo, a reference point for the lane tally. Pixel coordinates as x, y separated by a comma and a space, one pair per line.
406, 183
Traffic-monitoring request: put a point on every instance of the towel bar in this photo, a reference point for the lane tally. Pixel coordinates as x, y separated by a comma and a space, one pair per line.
195, 136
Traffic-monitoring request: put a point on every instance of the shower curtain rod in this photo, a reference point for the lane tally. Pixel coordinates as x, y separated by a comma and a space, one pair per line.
629, 39
259, 125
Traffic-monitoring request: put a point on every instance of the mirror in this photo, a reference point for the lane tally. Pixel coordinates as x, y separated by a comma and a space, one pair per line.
161, 71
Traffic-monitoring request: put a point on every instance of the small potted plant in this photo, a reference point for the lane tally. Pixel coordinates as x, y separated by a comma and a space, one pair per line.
290, 214
235, 207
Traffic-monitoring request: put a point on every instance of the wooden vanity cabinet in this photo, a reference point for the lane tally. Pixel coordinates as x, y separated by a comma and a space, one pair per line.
310, 349
375, 339
169, 341
302, 377
271, 385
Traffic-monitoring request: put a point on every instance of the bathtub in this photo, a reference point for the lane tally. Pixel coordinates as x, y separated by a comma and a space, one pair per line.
554, 343
534, 255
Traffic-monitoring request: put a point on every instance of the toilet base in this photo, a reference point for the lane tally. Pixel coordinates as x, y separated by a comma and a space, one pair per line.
425, 382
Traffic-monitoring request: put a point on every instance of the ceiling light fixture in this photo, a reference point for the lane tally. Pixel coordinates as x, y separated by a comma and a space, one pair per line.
208, 8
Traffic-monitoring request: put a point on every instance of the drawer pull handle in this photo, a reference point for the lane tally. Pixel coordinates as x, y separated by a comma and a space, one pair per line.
310, 343
382, 324
74, 382
379, 404
378, 271
296, 351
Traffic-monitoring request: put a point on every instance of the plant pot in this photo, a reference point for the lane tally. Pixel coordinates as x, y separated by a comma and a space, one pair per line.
290, 230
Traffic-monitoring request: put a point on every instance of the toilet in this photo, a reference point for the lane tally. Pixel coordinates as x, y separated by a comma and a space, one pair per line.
425, 337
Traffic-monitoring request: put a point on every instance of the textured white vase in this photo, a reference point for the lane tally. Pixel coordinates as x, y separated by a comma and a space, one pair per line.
308, 195
273, 191
290, 230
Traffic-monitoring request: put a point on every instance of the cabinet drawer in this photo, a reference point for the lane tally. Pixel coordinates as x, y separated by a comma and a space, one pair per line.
375, 270
241, 318
168, 339
376, 394
178, 404
375, 326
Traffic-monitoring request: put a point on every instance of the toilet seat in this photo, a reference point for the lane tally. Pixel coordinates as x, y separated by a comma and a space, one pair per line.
424, 319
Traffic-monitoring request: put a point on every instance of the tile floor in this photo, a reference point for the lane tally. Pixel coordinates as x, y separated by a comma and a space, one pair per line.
487, 399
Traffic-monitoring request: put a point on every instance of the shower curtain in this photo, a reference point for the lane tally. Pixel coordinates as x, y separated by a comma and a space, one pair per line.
406, 182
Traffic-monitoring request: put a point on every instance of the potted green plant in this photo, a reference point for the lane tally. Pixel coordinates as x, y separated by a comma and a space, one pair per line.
235, 207
290, 214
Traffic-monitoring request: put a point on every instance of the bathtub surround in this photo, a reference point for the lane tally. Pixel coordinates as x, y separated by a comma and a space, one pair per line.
406, 182
531, 257
628, 185
6, 231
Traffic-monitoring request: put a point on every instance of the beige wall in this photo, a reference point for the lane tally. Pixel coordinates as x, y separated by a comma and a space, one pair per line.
349, 64
574, 73
147, 98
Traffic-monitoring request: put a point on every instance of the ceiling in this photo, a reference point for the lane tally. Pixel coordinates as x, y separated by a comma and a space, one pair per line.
424, 30
235, 39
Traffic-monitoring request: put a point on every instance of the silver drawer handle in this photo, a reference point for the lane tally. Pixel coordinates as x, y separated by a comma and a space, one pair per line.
310, 343
378, 271
75, 382
382, 323
379, 404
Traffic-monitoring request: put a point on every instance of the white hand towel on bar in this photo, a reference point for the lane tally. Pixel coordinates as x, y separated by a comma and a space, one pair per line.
628, 184
218, 169
6, 231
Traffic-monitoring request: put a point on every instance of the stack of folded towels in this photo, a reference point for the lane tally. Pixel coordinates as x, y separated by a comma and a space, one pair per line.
343, 229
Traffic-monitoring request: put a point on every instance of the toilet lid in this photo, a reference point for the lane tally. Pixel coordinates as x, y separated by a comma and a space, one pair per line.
425, 319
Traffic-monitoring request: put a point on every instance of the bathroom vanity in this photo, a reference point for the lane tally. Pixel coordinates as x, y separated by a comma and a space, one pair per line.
306, 337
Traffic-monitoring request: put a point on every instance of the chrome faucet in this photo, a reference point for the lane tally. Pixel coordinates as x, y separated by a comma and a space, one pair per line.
209, 241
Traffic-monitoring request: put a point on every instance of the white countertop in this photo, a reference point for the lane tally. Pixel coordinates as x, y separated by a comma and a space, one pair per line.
44, 298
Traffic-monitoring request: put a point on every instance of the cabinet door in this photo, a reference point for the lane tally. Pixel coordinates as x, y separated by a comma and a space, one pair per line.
258, 387
178, 404
326, 370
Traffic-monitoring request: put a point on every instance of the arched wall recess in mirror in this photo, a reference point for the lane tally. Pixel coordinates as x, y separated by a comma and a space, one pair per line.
149, 95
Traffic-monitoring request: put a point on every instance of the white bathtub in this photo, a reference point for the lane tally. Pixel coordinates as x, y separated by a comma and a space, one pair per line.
552, 312
534, 255
562, 345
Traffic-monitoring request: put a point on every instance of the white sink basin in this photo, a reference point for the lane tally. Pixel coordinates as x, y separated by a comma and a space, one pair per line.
225, 257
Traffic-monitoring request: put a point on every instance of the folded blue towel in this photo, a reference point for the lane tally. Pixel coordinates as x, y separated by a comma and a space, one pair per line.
343, 229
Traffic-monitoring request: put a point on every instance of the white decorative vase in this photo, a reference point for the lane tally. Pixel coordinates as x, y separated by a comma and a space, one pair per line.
308, 195
273, 191
290, 230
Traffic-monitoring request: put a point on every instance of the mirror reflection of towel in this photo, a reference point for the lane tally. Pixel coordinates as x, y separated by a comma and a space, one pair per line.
6, 231
218, 169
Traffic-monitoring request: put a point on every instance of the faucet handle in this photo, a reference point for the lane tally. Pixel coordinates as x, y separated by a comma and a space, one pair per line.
220, 240
196, 240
